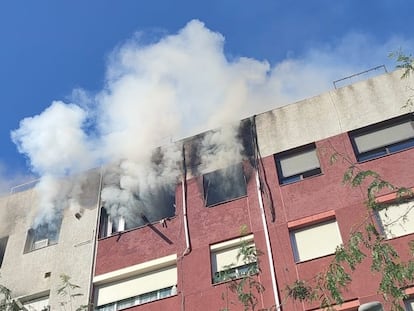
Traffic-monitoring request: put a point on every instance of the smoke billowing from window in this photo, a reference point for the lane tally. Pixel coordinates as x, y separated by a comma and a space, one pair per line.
142, 191
156, 93
76, 192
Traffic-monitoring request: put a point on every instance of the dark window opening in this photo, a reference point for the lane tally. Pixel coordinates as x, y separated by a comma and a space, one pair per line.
42, 236
297, 164
3, 244
224, 185
103, 223
383, 138
152, 208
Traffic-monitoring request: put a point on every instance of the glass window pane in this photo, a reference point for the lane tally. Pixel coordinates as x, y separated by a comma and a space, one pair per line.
125, 303
224, 185
165, 292
226, 261
397, 220
384, 137
299, 163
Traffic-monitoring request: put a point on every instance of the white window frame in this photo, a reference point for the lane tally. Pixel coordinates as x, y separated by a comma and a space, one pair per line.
224, 262
106, 227
138, 300
396, 219
121, 225
307, 243
131, 283
297, 164
40, 303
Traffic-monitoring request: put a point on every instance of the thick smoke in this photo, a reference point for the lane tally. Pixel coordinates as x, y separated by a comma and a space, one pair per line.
221, 148
142, 191
54, 141
158, 93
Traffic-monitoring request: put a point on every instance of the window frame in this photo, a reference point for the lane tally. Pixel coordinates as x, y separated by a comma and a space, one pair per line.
35, 239
31, 302
278, 157
111, 226
409, 304
107, 224
298, 258
234, 270
3, 247
138, 299
141, 280
385, 150
216, 174
382, 212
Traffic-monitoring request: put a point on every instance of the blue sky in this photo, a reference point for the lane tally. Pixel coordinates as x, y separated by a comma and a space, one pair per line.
80, 52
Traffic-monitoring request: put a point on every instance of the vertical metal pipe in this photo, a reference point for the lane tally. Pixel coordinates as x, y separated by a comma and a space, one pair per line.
268, 247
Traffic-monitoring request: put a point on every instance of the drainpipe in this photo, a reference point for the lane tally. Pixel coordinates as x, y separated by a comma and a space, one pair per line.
185, 220
267, 238
95, 241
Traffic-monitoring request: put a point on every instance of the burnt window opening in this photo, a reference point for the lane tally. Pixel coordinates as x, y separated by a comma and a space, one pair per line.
42, 236
224, 185
297, 164
110, 225
3, 245
383, 138
156, 207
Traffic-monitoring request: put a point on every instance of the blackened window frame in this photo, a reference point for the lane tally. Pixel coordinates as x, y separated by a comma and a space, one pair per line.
223, 198
387, 149
35, 235
3, 246
299, 176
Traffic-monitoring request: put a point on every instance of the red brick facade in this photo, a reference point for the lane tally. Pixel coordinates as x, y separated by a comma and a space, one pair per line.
294, 204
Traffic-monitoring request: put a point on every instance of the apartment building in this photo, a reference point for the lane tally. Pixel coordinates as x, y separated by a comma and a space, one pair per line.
282, 194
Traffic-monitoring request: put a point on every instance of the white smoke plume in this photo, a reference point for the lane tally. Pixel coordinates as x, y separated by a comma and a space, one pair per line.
221, 148
163, 91
54, 141
142, 191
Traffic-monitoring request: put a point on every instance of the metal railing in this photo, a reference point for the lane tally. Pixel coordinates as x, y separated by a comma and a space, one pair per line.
359, 74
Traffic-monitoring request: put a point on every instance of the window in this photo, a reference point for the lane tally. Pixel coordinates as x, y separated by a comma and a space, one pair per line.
150, 208
43, 235
224, 185
409, 304
109, 225
227, 262
315, 241
139, 299
3, 244
397, 219
383, 138
297, 164
133, 286
37, 304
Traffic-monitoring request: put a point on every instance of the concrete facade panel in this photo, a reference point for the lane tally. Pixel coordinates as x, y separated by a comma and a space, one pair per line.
37, 272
